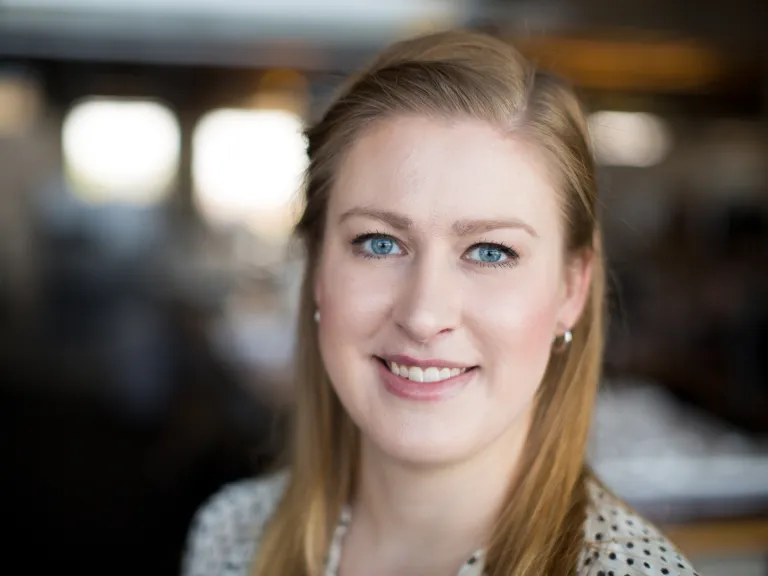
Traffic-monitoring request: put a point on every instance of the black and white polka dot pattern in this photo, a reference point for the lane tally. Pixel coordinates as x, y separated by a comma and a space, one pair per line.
225, 534
618, 542
226, 530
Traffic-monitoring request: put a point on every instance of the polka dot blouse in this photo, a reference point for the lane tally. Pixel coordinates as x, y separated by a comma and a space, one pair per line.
225, 534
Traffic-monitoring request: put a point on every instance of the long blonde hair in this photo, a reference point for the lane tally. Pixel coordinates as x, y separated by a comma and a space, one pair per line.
469, 75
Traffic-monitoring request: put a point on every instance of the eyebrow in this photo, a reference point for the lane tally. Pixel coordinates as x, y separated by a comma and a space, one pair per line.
395, 220
467, 227
460, 227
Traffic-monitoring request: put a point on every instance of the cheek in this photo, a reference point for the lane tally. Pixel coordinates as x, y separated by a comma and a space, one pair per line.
354, 300
515, 324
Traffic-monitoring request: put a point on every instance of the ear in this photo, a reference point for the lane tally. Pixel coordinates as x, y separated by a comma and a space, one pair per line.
577, 277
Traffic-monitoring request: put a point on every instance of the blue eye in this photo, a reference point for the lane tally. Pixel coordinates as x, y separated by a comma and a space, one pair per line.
377, 245
380, 246
493, 254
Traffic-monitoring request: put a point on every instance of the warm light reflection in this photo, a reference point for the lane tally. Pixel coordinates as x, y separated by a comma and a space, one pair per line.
20, 103
629, 138
121, 150
620, 60
248, 166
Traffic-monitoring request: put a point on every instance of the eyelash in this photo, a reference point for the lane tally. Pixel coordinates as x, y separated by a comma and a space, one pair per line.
512, 256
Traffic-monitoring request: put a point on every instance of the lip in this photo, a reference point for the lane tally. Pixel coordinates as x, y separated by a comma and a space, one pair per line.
423, 391
423, 362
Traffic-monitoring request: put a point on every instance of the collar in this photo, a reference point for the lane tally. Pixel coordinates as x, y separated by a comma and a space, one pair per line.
474, 566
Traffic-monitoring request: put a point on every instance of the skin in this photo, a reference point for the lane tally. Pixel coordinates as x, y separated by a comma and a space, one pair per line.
467, 266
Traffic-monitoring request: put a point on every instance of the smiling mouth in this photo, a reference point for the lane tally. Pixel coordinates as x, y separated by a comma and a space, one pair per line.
420, 374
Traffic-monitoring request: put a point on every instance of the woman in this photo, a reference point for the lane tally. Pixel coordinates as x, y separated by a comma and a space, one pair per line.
450, 340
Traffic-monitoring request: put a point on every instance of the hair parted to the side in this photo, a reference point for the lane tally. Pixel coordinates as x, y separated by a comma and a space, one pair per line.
455, 74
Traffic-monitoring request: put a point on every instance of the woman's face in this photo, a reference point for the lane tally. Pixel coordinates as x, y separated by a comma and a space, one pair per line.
442, 283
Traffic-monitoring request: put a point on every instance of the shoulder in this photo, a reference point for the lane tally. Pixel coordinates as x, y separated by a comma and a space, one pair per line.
226, 529
619, 541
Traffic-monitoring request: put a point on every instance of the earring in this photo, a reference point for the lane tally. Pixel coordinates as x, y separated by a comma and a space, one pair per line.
317, 316
560, 343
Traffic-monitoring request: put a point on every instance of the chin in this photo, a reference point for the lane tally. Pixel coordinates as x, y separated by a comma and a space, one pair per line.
422, 443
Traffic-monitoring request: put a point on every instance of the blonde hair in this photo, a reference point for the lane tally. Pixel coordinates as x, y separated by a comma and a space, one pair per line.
468, 75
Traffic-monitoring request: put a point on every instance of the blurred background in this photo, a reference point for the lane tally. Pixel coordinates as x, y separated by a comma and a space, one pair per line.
150, 152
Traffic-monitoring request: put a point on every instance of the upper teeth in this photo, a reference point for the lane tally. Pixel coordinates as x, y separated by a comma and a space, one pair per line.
431, 374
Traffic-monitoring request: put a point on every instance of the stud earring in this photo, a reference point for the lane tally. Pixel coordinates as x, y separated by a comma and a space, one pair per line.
560, 343
317, 316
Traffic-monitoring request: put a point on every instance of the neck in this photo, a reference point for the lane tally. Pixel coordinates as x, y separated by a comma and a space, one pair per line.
446, 509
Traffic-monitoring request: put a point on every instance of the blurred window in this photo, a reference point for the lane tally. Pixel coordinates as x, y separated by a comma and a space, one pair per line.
629, 138
121, 150
248, 168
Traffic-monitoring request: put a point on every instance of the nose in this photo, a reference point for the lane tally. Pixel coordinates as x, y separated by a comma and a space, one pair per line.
429, 301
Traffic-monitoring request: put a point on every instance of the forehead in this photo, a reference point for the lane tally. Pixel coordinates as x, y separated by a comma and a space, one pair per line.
439, 168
